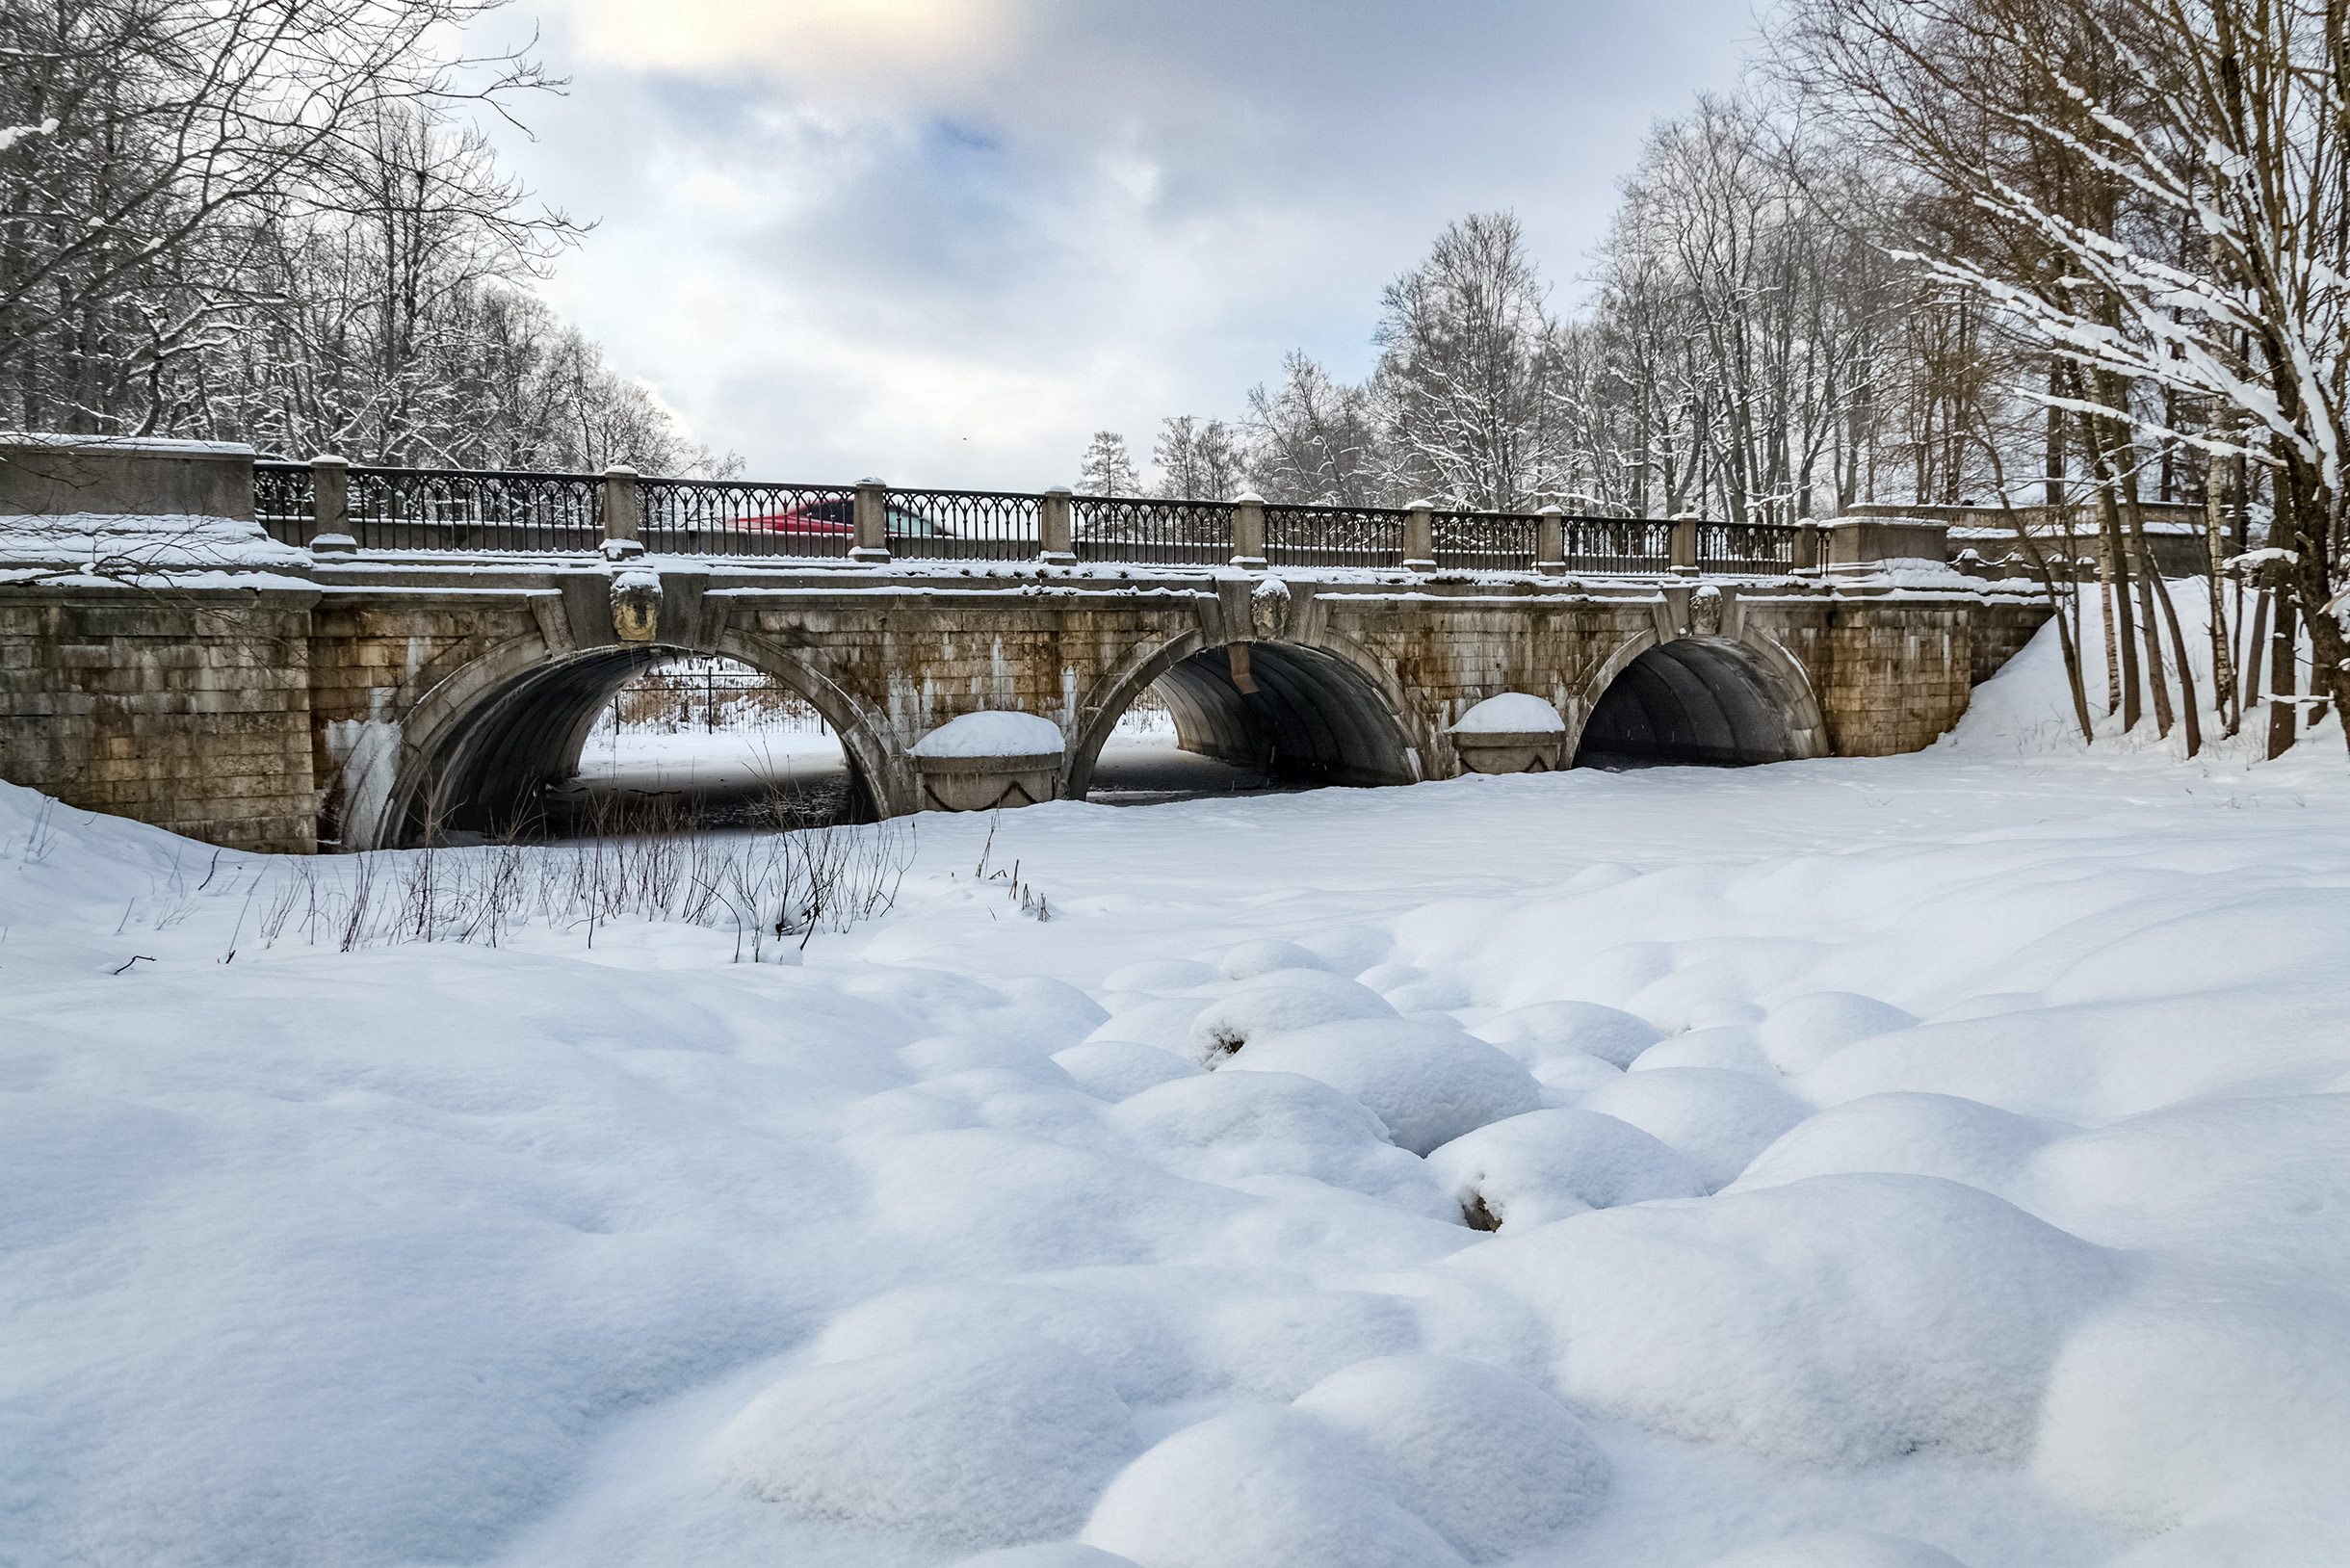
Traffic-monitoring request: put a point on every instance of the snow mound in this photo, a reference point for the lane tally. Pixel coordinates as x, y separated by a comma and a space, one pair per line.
940, 1056
1909, 1134
1053, 1554
1349, 950
1161, 976
1277, 1003
1840, 1320
1227, 1127
1719, 1119
1493, 1463
1427, 1085
1612, 1036
1264, 957
1840, 1548
1258, 1489
993, 733
2162, 1410
983, 1442
1800, 1034
1737, 1047
1510, 712
1116, 1070
1165, 1023
1552, 1165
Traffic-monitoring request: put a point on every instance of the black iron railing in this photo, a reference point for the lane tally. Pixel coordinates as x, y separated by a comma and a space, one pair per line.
1745, 547
283, 503
1333, 535
457, 509
963, 524
1150, 531
729, 517
1617, 545
431, 509
1486, 542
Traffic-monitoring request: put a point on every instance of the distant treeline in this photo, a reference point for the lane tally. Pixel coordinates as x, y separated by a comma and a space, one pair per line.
274, 221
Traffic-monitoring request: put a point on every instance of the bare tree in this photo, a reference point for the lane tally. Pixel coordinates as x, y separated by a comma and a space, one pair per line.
1311, 440
1197, 459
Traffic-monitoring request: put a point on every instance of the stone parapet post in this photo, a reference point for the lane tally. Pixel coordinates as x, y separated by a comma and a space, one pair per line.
1681, 550
1248, 531
622, 505
871, 544
330, 506
1862, 544
1053, 528
1551, 542
1419, 536
1807, 547
55, 476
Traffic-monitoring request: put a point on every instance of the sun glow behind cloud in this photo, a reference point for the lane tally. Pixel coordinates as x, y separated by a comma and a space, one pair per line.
944, 242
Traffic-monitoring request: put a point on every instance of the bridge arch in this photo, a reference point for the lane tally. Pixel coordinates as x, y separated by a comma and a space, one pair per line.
479, 747
1716, 702
1320, 711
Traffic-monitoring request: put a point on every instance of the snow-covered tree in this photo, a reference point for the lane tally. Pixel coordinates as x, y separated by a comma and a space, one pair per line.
2160, 191
1105, 468
1466, 402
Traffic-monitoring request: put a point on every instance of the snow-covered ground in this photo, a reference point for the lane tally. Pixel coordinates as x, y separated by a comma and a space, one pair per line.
1946, 1153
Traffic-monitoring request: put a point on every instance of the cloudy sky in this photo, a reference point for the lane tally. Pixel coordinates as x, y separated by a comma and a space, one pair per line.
943, 241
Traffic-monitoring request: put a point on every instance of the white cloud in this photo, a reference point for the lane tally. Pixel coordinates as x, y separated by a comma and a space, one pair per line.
945, 242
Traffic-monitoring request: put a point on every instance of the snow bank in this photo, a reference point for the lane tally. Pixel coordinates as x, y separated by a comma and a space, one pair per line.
599, 1250
991, 735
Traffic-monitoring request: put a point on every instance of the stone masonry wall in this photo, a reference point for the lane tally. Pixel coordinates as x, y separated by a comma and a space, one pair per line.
1893, 678
2000, 631
190, 712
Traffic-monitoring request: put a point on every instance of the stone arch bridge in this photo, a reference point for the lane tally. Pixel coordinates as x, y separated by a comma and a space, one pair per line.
297, 696
359, 708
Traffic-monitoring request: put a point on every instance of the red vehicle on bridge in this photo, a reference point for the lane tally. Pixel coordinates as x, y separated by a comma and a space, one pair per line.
835, 518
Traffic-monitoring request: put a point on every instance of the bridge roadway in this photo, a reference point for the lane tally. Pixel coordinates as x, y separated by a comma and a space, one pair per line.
356, 702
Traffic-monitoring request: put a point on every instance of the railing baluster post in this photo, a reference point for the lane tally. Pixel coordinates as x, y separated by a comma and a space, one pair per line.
1053, 528
871, 514
1248, 531
1680, 548
331, 506
620, 506
1551, 542
1419, 536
